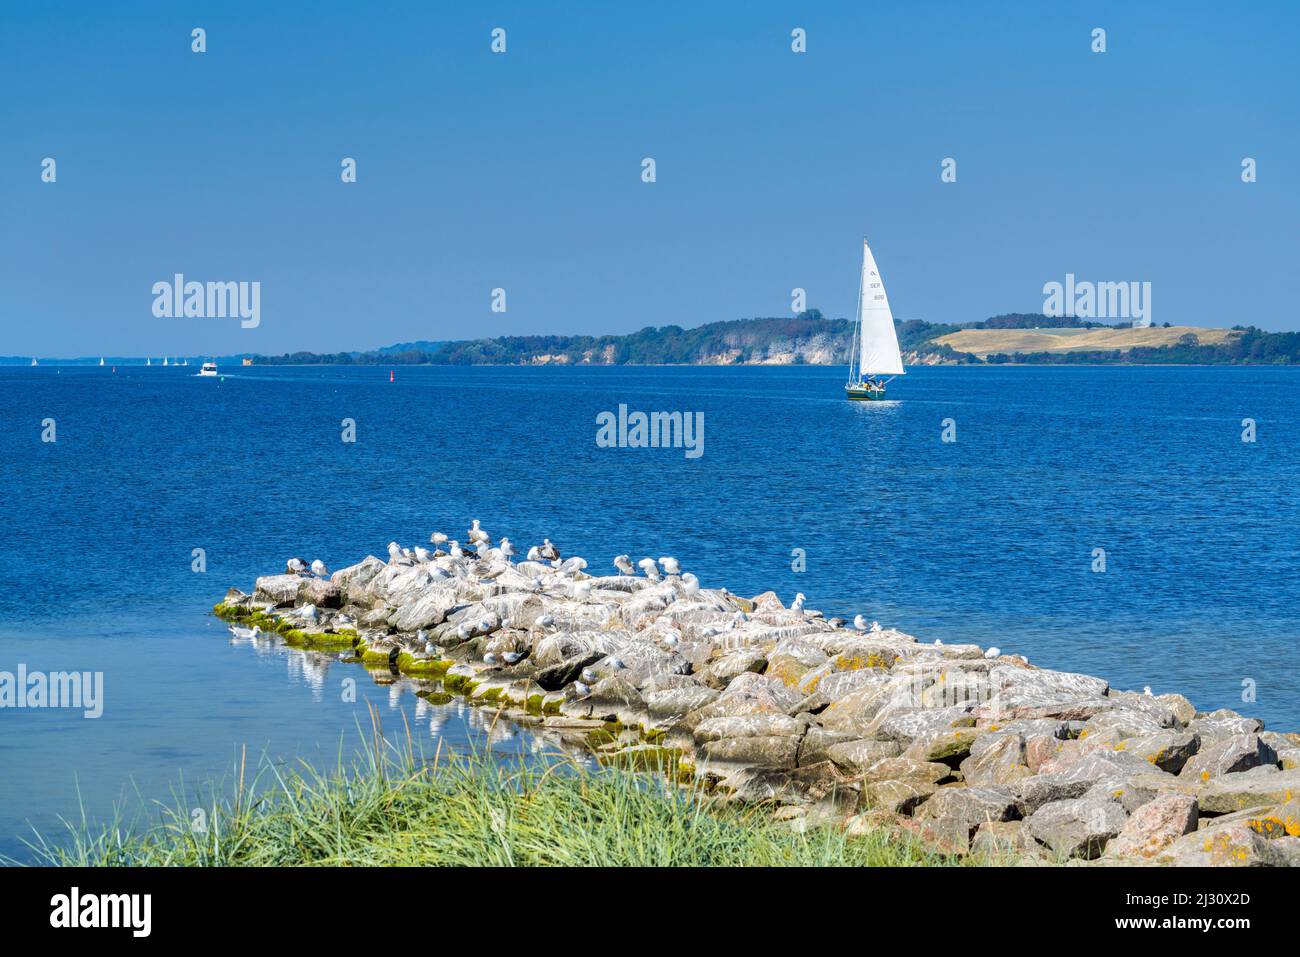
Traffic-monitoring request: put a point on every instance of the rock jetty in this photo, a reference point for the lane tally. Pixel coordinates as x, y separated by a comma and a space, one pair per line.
970, 750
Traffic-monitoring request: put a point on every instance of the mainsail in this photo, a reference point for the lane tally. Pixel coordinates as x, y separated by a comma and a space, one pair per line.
878, 347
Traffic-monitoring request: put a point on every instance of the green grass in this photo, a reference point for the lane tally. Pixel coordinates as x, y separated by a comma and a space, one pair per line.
393, 807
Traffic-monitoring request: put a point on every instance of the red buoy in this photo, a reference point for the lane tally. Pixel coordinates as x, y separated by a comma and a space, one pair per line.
390, 375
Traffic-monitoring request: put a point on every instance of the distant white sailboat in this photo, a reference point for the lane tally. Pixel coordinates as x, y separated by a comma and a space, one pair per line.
101, 360
874, 350
34, 360
164, 360
148, 362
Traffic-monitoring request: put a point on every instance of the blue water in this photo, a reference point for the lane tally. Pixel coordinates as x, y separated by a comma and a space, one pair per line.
986, 539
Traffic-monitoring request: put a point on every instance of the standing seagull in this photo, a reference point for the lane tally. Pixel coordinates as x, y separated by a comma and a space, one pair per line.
860, 622
319, 570
670, 565
477, 534
624, 565
295, 566
651, 570
797, 604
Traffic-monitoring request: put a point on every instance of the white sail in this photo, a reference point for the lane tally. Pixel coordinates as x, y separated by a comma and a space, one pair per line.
878, 348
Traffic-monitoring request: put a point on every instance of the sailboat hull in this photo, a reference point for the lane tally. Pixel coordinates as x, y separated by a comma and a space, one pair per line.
864, 392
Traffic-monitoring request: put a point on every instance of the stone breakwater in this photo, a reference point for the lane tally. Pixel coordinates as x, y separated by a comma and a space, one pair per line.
968, 749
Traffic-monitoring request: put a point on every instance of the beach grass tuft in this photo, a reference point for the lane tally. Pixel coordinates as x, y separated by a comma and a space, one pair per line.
392, 806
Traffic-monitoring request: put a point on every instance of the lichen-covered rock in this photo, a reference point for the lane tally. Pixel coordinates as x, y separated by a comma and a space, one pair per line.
1167, 750
768, 751
765, 724
1005, 842
969, 806
854, 757
1217, 757
1224, 723
996, 759
1258, 787
678, 702
906, 769
898, 797
1078, 827
1024, 692
1154, 826
951, 745
817, 741
1232, 845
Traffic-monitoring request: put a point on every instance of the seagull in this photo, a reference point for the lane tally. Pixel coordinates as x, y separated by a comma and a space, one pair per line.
429, 648
582, 591
993, 652
456, 551
507, 550
580, 689
319, 570
875, 627
690, 584
615, 663
672, 641
860, 622
571, 565
590, 676
477, 534
797, 604
490, 658
938, 643
648, 566
295, 566
345, 621
394, 553
422, 554
670, 565
1146, 689
534, 554
546, 621
549, 551
624, 565
245, 632
437, 538
307, 611
512, 657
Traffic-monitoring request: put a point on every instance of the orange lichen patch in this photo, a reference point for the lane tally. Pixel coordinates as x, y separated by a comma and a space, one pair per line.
1205, 775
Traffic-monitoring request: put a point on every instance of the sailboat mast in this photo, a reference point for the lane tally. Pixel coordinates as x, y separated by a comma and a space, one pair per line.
855, 330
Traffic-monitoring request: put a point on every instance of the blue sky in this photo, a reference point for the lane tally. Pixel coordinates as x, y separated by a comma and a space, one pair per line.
522, 170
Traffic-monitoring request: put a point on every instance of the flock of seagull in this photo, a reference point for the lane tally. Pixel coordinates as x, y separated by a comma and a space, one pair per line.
498, 559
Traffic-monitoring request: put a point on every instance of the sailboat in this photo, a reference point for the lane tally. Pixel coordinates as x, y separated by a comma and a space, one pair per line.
34, 360
874, 350
101, 360
148, 361
164, 360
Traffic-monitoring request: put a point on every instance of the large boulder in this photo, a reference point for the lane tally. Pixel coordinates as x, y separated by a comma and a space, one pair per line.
996, 759
1258, 787
1154, 826
969, 807
1230, 845
1241, 752
429, 608
278, 590
1024, 692
1077, 828
855, 757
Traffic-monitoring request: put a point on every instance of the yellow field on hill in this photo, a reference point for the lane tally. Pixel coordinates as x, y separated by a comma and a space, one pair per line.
982, 342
